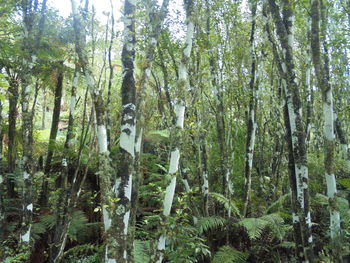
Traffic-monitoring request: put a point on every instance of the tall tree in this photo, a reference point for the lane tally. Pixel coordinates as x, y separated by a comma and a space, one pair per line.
321, 66
295, 130
179, 108
252, 125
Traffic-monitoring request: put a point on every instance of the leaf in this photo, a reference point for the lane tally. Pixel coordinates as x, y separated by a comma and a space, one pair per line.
163, 133
255, 226
279, 203
230, 205
345, 182
228, 254
141, 251
208, 223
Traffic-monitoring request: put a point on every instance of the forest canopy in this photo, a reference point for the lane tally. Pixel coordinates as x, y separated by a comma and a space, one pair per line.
175, 131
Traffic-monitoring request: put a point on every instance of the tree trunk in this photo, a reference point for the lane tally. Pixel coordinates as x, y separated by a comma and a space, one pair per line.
11, 150
2, 207
179, 108
251, 125
108, 193
53, 134
323, 80
284, 28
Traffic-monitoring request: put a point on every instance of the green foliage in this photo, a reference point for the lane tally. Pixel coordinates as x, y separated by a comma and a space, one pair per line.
141, 251
230, 255
345, 182
205, 224
229, 205
256, 226
77, 227
86, 253
279, 204
161, 133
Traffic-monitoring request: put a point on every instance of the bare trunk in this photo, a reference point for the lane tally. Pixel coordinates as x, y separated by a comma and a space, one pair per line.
53, 134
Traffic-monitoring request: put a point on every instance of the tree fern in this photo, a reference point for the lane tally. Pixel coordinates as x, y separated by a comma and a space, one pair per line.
228, 254
208, 223
228, 204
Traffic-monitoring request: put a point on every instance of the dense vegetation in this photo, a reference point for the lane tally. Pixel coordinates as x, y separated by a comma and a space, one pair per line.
206, 131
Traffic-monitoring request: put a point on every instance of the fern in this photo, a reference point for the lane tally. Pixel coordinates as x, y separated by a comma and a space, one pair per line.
279, 203
141, 251
228, 254
228, 204
255, 226
208, 223
276, 225
79, 222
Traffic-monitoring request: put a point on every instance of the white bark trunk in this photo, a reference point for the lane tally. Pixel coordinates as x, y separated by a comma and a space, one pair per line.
330, 178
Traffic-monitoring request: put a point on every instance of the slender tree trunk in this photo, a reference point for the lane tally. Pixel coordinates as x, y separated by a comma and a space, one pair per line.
30, 41
108, 193
251, 126
219, 112
110, 79
2, 179
11, 149
63, 210
284, 28
323, 80
43, 116
53, 134
343, 141
179, 109
156, 20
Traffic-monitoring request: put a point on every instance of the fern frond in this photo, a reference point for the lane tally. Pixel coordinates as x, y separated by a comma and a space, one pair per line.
279, 203
208, 223
229, 205
276, 225
49, 221
141, 251
255, 226
228, 254
78, 223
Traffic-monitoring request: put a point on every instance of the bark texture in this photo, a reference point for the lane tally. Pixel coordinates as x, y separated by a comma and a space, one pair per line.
296, 135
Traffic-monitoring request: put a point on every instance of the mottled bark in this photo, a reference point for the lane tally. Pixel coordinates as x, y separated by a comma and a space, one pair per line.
343, 141
284, 28
321, 67
251, 122
108, 193
156, 19
13, 94
179, 108
30, 41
